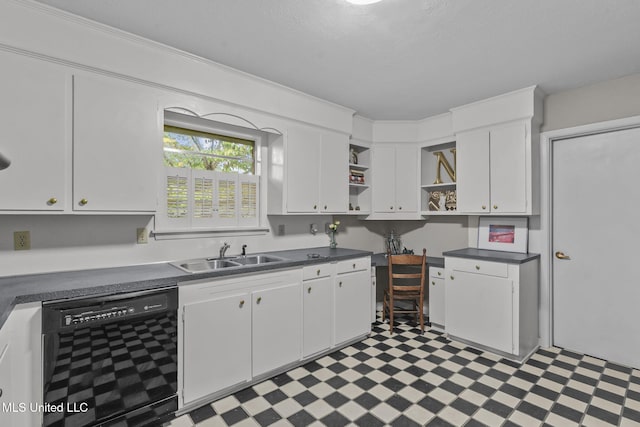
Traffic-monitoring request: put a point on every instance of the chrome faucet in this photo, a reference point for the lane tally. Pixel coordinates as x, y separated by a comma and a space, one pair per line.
224, 248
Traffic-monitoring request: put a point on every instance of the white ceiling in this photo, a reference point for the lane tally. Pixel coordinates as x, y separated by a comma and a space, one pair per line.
397, 59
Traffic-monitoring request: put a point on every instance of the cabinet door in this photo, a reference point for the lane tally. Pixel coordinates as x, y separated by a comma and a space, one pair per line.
277, 331
316, 297
6, 417
508, 169
384, 179
472, 172
352, 305
35, 111
334, 173
303, 170
217, 345
436, 301
406, 186
480, 309
117, 145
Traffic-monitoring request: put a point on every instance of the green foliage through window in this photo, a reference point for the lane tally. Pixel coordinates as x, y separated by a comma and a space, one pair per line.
185, 148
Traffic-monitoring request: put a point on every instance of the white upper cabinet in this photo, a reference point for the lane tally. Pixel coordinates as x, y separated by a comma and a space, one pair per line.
334, 181
308, 172
303, 170
35, 106
117, 145
492, 170
497, 154
395, 182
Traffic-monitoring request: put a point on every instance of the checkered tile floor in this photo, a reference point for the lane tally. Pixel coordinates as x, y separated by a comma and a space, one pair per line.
410, 379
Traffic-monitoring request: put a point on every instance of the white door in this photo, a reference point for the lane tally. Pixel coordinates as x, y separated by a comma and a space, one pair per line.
276, 327
217, 345
303, 170
508, 169
117, 145
407, 179
316, 315
352, 305
334, 173
480, 309
384, 179
472, 172
595, 224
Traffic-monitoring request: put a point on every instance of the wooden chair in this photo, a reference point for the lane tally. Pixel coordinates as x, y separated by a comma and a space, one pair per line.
405, 286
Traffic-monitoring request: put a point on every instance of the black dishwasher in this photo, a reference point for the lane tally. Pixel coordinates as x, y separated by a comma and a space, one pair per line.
110, 360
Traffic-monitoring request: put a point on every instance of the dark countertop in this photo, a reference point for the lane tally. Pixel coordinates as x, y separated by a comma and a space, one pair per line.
489, 255
107, 281
380, 260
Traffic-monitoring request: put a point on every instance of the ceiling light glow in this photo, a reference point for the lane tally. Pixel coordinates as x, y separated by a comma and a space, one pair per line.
363, 2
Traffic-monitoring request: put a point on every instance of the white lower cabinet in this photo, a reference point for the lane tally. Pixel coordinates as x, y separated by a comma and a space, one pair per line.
493, 304
6, 399
352, 300
216, 344
21, 366
276, 328
436, 295
317, 300
237, 330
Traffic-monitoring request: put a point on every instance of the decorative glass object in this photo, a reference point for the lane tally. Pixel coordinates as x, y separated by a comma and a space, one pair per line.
333, 229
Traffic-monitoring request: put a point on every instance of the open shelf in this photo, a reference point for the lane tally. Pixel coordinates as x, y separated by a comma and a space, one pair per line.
429, 174
359, 194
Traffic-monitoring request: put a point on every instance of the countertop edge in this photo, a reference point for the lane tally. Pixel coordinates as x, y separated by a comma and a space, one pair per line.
490, 255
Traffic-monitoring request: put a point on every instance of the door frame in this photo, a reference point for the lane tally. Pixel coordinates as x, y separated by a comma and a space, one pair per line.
546, 210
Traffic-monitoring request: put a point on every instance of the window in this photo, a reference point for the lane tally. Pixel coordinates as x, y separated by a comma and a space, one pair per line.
210, 181
207, 151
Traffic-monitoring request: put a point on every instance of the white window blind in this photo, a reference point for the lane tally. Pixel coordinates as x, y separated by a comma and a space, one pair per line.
177, 196
227, 198
203, 196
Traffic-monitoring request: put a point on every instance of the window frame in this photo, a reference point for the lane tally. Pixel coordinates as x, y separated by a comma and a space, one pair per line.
168, 228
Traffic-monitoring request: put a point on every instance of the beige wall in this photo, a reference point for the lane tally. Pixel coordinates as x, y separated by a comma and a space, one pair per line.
608, 100
436, 235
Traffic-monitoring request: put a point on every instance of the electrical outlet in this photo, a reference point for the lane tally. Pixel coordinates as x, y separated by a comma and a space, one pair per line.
142, 235
280, 229
21, 240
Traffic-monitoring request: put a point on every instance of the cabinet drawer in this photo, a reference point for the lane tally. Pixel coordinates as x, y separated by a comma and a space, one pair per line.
436, 272
354, 265
316, 271
479, 267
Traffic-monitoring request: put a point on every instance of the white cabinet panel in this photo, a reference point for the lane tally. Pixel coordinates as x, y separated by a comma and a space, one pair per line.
508, 169
35, 112
303, 170
352, 305
217, 345
492, 170
117, 145
334, 173
277, 331
406, 188
6, 416
384, 185
395, 183
480, 309
472, 172
436, 297
316, 298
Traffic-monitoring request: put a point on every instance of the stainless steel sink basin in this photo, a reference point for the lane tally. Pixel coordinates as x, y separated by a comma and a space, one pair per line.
202, 265
257, 259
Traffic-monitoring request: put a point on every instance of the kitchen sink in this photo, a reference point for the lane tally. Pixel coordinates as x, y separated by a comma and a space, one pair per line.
257, 259
202, 265
209, 264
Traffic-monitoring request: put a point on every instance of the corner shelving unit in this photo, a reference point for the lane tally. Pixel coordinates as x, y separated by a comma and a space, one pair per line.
429, 172
360, 193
